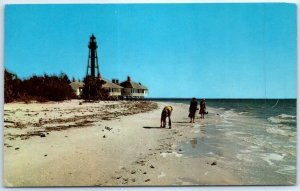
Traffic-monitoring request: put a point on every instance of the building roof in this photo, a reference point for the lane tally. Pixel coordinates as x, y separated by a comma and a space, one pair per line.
75, 85
109, 84
131, 84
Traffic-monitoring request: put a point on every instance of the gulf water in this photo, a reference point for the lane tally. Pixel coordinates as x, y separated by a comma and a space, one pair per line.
256, 138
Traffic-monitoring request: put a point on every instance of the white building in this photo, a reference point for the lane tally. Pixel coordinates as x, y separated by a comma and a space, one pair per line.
133, 90
77, 87
127, 89
113, 88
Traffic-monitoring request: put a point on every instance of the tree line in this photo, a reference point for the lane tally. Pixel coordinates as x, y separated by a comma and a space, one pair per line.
49, 88
39, 88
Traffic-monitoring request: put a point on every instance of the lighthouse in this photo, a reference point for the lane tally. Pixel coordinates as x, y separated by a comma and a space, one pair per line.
93, 66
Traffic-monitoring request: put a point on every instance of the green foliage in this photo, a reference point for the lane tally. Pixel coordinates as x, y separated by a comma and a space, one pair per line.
93, 90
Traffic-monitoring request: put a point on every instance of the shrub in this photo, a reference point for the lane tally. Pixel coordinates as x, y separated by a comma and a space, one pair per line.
40, 88
12, 86
93, 90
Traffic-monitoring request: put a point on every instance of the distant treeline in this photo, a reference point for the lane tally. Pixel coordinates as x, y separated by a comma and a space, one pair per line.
39, 88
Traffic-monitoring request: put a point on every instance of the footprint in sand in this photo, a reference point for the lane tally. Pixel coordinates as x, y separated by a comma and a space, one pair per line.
125, 181
133, 172
118, 177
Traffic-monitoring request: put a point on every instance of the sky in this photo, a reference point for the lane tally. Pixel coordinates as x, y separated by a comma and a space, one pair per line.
176, 50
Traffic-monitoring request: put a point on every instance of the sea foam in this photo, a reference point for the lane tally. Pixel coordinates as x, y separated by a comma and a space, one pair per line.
272, 157
283, 119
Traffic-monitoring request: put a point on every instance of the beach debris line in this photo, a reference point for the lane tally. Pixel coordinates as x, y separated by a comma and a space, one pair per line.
7, 121
64, 122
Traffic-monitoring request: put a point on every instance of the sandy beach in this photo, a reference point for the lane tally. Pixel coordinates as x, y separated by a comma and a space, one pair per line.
104, 144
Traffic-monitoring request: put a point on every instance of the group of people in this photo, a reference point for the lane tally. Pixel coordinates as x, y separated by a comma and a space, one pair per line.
167, 111
194, 107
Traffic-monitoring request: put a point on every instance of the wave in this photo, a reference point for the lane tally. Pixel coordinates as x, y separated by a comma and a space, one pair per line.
288, 170
271, 157
260, 142
281, 131
284, 119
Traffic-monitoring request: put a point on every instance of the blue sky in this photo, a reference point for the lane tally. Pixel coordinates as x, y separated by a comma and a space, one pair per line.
176, 50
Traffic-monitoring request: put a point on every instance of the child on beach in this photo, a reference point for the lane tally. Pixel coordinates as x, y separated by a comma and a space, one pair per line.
193, 108
202, 108
166, 112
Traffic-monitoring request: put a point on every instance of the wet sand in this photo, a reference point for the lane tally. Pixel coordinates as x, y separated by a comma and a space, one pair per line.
105, 144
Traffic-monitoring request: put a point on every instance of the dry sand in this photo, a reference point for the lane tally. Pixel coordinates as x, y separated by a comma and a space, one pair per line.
104, 144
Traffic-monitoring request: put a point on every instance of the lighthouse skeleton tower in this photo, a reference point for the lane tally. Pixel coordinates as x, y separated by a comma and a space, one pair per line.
93, 67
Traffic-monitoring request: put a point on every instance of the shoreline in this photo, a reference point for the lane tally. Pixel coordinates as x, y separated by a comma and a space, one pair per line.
127, 150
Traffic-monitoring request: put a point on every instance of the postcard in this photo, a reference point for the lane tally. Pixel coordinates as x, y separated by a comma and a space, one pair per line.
160, 94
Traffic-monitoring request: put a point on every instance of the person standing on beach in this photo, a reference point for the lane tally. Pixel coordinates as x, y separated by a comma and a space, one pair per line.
193, 108
202, 108
166, 112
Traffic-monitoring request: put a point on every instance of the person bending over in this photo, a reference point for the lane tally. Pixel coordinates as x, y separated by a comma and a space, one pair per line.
166, 112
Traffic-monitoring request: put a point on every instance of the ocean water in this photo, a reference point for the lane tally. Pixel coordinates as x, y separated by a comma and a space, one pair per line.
256, 139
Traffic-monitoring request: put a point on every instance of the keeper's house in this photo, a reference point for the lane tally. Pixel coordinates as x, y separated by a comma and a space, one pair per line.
113, 88
133, 90
126, 90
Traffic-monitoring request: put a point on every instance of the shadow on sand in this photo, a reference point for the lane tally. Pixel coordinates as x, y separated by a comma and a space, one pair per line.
147, 127
180, 122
